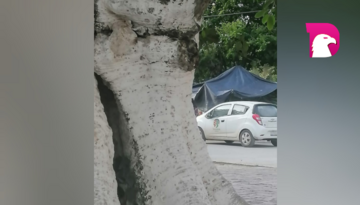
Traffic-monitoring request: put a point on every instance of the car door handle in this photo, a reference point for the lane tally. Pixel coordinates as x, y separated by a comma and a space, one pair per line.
222, 120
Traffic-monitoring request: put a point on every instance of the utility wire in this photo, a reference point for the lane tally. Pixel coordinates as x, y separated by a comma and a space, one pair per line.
246, 12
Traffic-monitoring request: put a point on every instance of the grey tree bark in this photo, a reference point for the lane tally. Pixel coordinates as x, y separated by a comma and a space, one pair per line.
145, 55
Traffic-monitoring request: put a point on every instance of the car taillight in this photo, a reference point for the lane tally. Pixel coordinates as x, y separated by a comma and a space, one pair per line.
257, 119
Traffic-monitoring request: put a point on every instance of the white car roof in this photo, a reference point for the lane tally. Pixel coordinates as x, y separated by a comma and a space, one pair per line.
248, 103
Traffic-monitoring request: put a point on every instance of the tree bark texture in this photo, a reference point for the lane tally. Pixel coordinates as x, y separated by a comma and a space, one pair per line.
145, 55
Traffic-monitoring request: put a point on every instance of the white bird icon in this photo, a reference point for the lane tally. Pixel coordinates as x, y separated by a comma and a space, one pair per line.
320, 46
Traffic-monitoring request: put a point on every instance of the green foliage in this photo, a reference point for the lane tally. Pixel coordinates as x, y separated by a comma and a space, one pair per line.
268, 13
243, 39
217, 7
267, 72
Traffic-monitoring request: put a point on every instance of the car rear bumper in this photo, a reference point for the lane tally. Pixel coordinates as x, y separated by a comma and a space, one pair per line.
265, 133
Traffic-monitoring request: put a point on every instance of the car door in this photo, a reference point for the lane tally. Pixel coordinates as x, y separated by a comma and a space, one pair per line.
234, 121
216, 122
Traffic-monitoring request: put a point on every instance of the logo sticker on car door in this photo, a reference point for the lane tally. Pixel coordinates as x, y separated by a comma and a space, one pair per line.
216, 123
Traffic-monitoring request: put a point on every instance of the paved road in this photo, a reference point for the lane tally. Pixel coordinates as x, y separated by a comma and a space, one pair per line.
257, 185
262, 154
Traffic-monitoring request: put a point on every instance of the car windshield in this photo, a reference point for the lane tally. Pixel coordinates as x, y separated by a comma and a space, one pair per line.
265, 110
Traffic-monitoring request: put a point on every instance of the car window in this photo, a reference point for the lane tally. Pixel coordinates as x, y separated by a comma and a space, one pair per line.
265, 110
239, 110
221, 111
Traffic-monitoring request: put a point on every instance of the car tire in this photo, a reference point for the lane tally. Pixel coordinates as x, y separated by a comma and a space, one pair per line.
229, 142
246, 138
274, 142
202, 134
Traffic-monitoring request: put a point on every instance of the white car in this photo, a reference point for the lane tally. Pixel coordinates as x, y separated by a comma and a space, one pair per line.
243, 121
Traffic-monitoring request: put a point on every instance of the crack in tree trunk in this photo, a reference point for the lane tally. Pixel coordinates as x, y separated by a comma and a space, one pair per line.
129, 187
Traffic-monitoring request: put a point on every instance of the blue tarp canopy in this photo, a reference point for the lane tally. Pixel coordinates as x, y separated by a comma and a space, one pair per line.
235, 84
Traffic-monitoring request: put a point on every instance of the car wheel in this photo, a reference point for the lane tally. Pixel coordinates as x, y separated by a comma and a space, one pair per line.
228, 142
247, 139
274, 142
202, 134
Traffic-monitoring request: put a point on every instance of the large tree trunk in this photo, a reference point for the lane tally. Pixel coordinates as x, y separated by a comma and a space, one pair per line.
145, 54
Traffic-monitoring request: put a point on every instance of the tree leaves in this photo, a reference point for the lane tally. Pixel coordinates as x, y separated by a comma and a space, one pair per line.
209, 35
270, 22
260, 13
267, 72
269, 19
238, 46
268, 14
268, 2
265, 18
226, 41
245, 49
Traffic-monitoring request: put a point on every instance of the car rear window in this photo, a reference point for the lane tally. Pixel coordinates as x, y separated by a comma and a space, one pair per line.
265, 110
